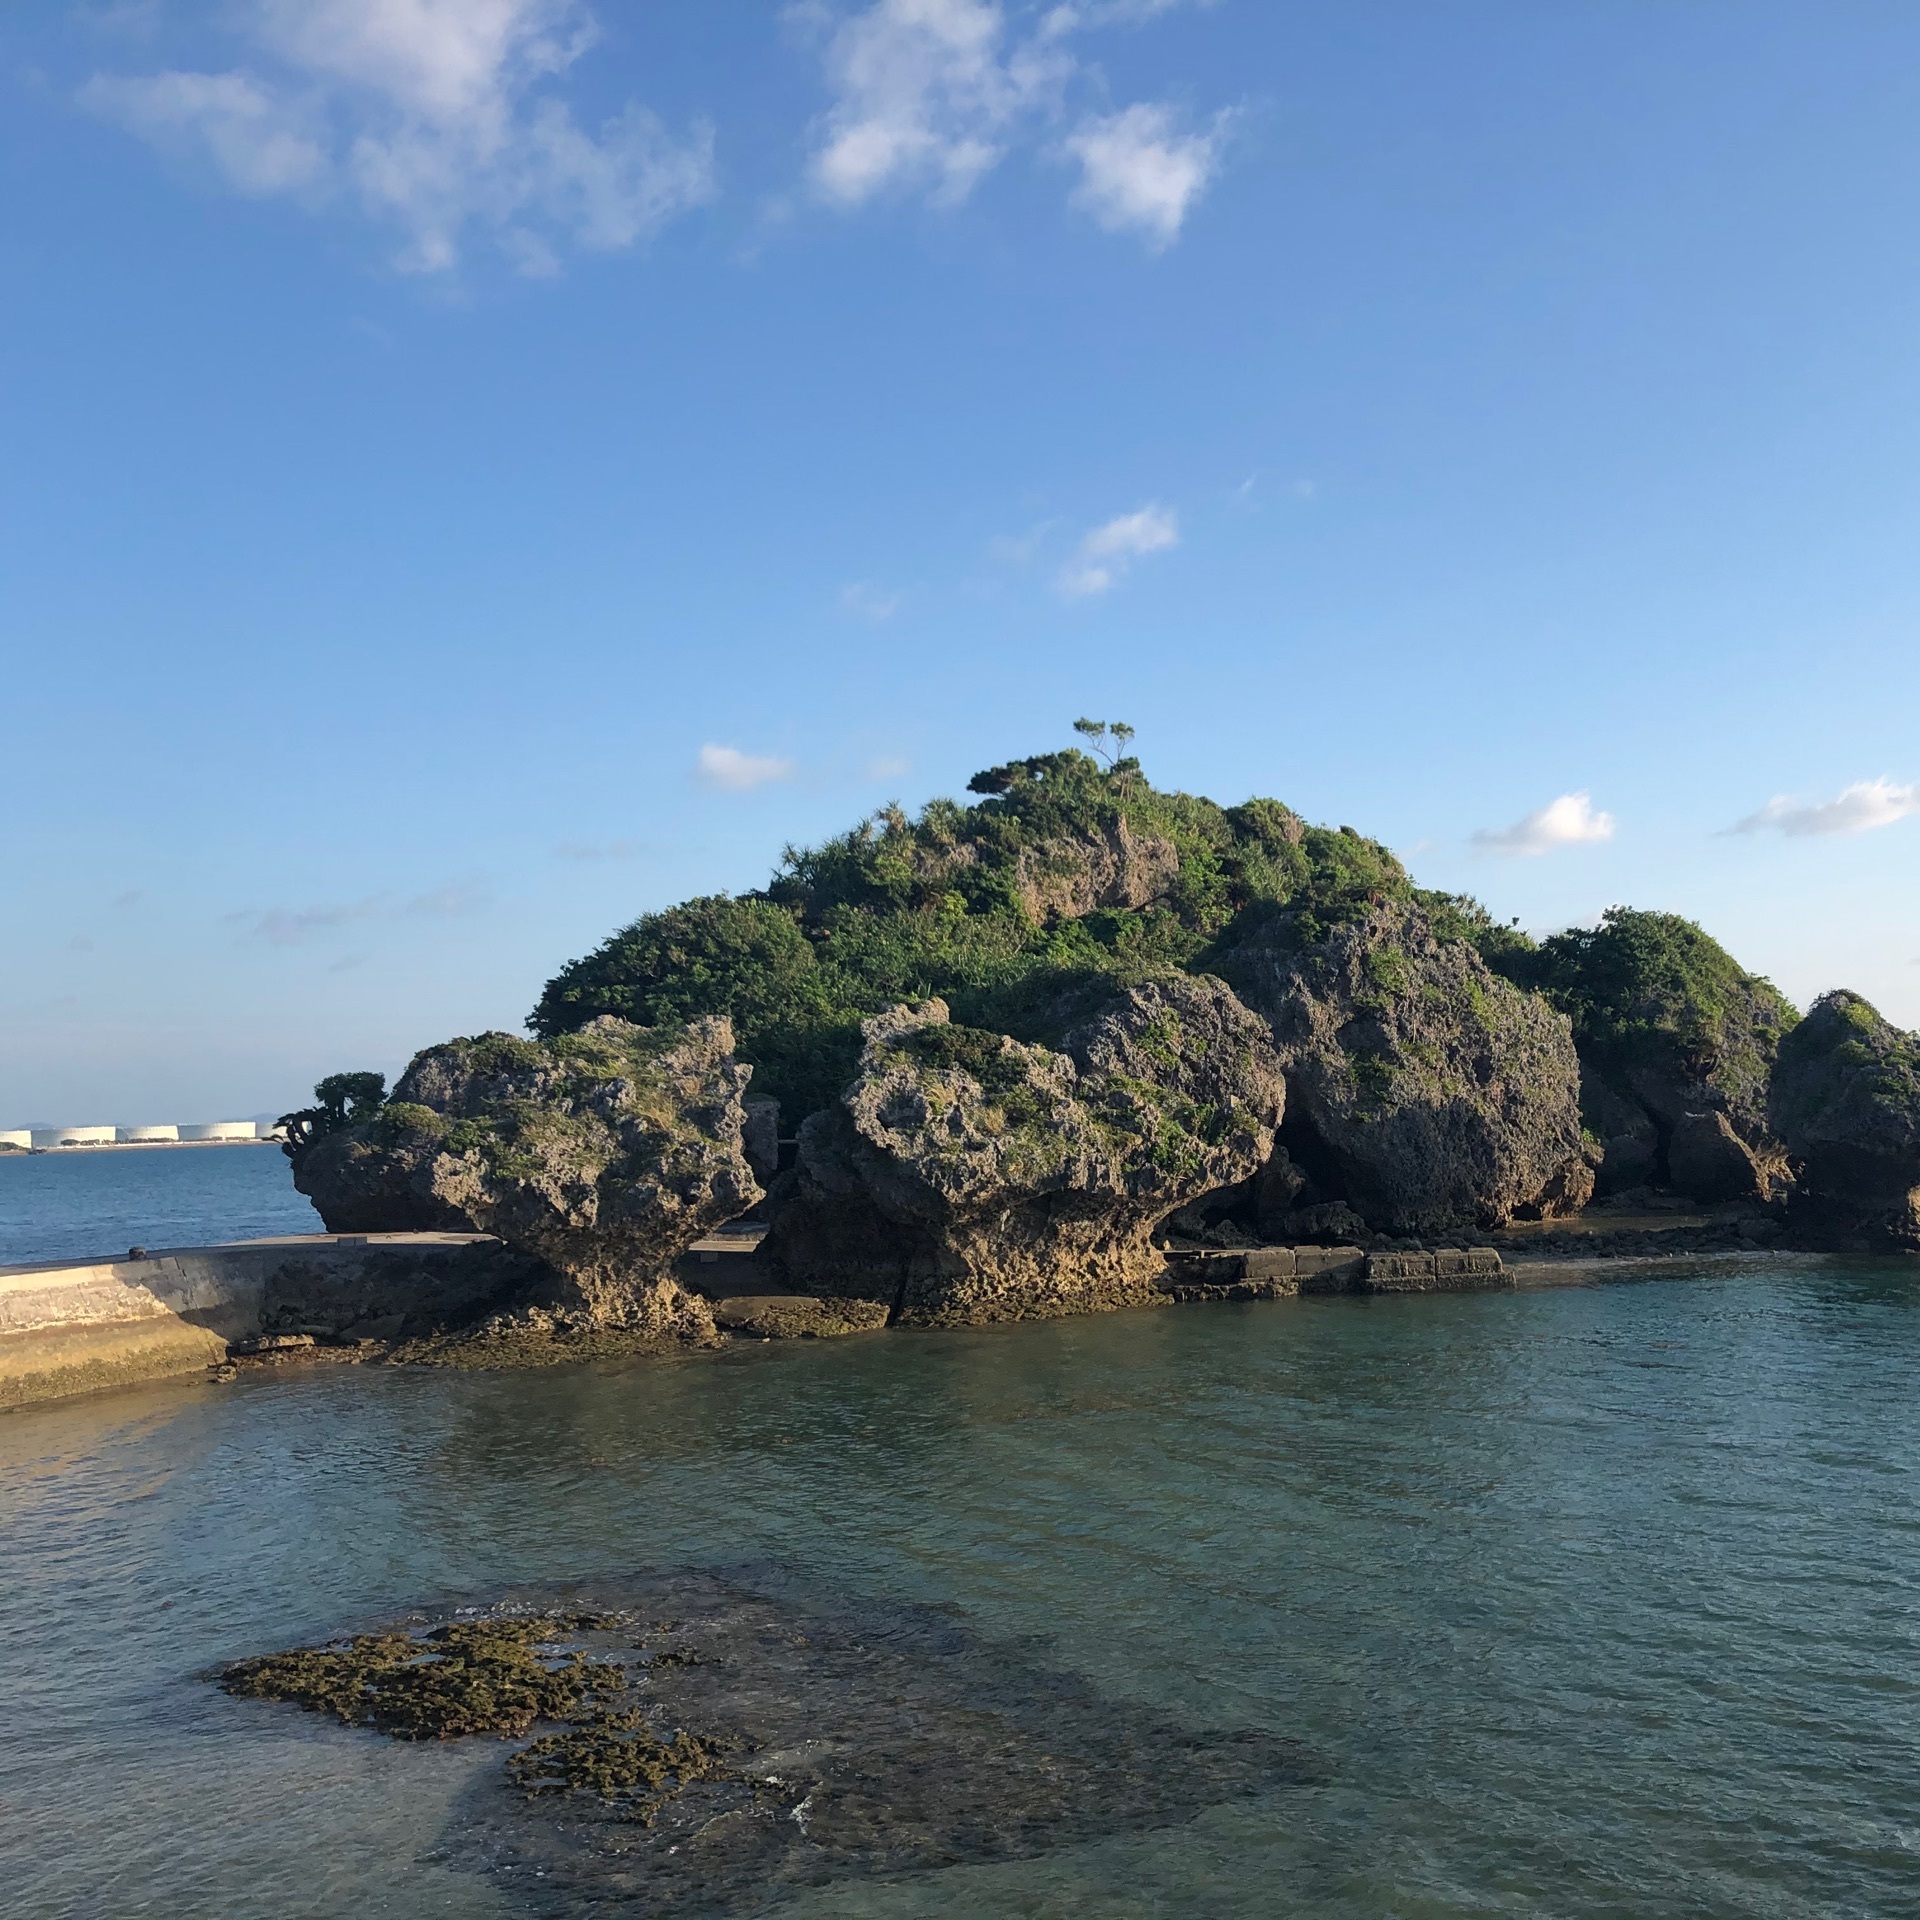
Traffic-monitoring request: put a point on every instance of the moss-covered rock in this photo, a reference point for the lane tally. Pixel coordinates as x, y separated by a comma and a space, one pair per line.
1427, 1092
967, 1176
496, 1676
1845, 1100
605, 1153
1667, 1020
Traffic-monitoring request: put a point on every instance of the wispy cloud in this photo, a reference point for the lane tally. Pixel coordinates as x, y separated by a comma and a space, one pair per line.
1860, 808
1139, 172
930, 95
435, 116
1570, 821
888, 766
870, 602
1105, 554
729, 770
289, 926
602, 850
294, 926
454, 901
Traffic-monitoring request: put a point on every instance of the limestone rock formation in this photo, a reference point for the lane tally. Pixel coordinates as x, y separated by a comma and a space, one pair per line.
1629, 1141
967, 1177
1426, 1092
1121, 866
1846, 1101
1709, 1161
605, 1153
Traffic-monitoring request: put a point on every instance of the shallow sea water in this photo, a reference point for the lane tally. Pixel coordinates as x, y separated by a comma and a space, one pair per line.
96, 1202
1592, 1600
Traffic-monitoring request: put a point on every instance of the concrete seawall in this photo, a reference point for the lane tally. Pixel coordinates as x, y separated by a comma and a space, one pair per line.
73, 1327
70, 1328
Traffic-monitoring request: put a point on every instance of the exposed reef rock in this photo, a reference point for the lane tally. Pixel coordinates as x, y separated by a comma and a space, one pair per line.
968, 1177
1846, 1101
797, 1316
1082, 873
1428, 1093
604, 1153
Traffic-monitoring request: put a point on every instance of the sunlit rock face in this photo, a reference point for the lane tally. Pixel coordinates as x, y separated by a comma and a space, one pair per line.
605, 1153
966, 1176
1434, 1095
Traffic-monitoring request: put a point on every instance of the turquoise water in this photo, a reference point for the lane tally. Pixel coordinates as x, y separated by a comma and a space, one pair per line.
1592, 1601
79, 1204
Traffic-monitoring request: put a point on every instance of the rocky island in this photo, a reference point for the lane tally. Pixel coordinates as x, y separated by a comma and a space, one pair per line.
1080, 1044
1077, 1044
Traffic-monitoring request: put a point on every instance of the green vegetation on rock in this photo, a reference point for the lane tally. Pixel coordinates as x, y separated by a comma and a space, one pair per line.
1660, 1008
341, 1100
1065, 880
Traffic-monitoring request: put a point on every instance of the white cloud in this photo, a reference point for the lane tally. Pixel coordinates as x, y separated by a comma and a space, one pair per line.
889, 766
930, 95
869, 601
1569, 821
1107, 552
262, 143
926, 94
1860, 808
1139, 172
428, 113
732, 771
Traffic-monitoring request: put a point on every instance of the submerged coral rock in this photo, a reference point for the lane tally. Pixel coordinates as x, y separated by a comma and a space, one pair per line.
1846, 1101
697, 1746
1427, 1092
967, 1176
606, 1153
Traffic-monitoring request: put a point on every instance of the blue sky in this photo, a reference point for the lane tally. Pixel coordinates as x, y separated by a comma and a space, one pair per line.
478, 469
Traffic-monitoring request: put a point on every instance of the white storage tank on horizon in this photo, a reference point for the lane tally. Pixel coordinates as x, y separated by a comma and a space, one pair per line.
16, 1137
73, 1136
133, 1136
220, 1130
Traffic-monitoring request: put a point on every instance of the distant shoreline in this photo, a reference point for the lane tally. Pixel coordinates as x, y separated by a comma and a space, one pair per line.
127, 1146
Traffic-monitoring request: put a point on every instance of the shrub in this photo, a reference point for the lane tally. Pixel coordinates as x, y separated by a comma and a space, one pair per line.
904, 908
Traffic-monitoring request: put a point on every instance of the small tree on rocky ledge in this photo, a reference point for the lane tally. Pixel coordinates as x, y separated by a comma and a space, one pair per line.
1107, 739
344, 1100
